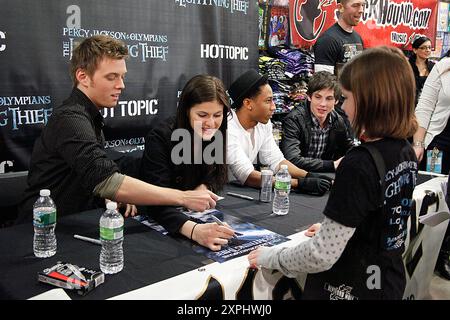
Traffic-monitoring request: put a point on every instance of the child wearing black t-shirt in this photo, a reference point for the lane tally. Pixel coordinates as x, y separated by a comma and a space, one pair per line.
357, 252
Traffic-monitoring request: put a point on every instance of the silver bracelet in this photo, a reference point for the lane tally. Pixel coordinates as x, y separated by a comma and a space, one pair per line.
419, 144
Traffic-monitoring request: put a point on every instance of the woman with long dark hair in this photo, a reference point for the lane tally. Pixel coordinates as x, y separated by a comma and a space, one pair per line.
188, 152
421, 65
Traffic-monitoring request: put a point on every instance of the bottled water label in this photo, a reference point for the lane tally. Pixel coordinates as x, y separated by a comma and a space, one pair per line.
280, 204
44, 221
283, 185
43, 218
111, 233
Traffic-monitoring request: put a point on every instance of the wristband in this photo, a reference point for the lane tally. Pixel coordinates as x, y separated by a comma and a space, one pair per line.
419, 144
192, 231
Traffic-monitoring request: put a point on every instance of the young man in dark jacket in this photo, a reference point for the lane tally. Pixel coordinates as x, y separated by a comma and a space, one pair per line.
314, 136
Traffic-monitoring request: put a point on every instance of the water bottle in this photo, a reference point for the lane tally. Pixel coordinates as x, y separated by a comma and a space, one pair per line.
282, 188
111, 237
44, 222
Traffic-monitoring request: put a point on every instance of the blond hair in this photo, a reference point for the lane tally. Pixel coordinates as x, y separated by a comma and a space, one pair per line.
88, 54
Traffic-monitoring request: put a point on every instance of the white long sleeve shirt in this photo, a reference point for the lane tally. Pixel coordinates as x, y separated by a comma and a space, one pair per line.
318, 254
433, 108
244, 146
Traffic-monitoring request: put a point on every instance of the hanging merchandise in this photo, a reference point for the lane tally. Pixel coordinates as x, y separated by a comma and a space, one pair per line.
263, 8
278, 26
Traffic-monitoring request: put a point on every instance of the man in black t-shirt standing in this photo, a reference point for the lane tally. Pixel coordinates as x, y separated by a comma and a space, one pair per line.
340, 42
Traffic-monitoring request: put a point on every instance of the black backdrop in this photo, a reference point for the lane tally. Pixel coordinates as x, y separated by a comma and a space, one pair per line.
169, 41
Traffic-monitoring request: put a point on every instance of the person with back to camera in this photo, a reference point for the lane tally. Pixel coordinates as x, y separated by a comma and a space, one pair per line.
366, 214
315, 136
250, 137
420, 63
201, 115
69, 157
433, 112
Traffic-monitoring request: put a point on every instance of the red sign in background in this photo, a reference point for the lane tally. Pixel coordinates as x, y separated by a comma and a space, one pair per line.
384, 22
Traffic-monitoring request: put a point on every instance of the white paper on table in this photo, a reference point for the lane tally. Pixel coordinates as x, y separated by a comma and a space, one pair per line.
54, 294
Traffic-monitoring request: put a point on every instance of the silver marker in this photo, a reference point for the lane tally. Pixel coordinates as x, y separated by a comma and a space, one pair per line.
95, 241
237, 195
219, 222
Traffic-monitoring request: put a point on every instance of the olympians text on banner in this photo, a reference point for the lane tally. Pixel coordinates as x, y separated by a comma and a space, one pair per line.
219, 51
132, 108
137, 141
144, 49
24, 100
119, 35
17, 116
232, 5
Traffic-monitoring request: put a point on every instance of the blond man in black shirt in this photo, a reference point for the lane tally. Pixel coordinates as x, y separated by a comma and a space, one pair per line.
69, 158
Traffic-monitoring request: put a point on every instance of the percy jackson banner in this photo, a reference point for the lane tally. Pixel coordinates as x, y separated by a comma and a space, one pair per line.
383, 22
169, 42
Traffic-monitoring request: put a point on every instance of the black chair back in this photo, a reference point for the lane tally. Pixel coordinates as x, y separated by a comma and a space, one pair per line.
12, 186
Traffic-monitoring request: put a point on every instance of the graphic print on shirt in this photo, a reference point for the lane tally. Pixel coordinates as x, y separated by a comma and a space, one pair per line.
397, 180
351, 50
342, 292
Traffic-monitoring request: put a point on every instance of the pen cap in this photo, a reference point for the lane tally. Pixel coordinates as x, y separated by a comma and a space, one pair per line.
44, 193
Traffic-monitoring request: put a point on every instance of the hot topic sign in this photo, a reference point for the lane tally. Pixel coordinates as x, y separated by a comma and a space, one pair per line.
383, 22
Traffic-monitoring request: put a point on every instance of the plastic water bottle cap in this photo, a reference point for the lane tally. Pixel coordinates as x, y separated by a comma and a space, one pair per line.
111, 205
284, 166
44, 193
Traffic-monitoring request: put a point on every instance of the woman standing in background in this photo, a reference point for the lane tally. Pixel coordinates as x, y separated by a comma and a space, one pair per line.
420, 63
433, 112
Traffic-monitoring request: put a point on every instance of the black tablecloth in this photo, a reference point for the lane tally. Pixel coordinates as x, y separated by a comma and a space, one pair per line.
149, 256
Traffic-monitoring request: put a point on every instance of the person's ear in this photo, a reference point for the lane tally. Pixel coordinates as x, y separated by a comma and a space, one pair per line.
82, 77
247, 103
308, 97
340, 7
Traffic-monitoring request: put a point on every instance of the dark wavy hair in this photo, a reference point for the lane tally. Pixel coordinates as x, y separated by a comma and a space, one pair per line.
199, 89
419, 41
323, 80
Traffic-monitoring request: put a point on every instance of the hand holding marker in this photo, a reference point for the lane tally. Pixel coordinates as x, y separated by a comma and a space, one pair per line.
217, 220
